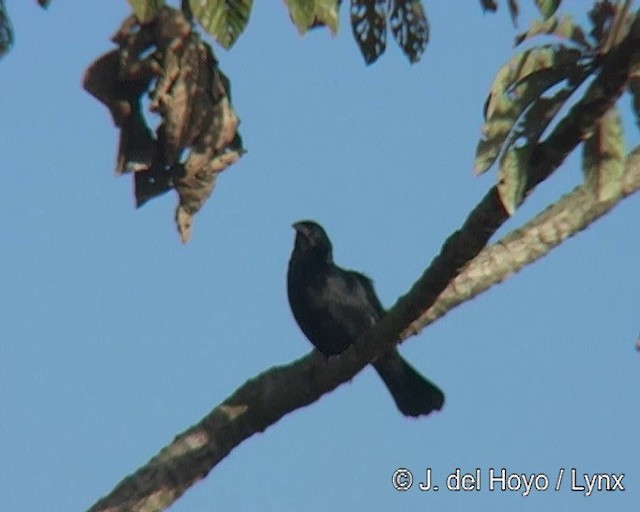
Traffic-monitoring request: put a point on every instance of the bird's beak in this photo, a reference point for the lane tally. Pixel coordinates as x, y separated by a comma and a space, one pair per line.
299, 227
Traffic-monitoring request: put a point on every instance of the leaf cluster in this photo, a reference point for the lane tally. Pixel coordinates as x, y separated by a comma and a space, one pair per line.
547, 8
197, 137
225, 20
537, 83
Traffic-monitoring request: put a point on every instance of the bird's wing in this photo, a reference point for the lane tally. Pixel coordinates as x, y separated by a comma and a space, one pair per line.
350, 302
371, 297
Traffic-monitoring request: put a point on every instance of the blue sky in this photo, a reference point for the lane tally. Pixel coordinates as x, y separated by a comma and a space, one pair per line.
114, 337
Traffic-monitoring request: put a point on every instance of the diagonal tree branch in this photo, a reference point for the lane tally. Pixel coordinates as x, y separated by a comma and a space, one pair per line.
573, 213
280, 390
262, 401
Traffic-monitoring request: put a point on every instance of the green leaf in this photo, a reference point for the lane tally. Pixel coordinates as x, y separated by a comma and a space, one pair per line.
514, 10
6, 33
327, 14
489, 5
547, 7
302, 13
539, 115
519, 84
146, 9
512, 177
634, 89
369, 26
410, 27
223, 19
601, 16
563, 27
307, 14
603, 158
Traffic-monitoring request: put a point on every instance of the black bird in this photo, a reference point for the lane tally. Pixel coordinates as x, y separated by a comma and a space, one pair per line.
334, 307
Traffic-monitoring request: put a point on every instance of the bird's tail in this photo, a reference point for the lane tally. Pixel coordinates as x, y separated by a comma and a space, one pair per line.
414, 395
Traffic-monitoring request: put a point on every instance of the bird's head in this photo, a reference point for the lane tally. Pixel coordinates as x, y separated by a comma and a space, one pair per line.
311, 239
